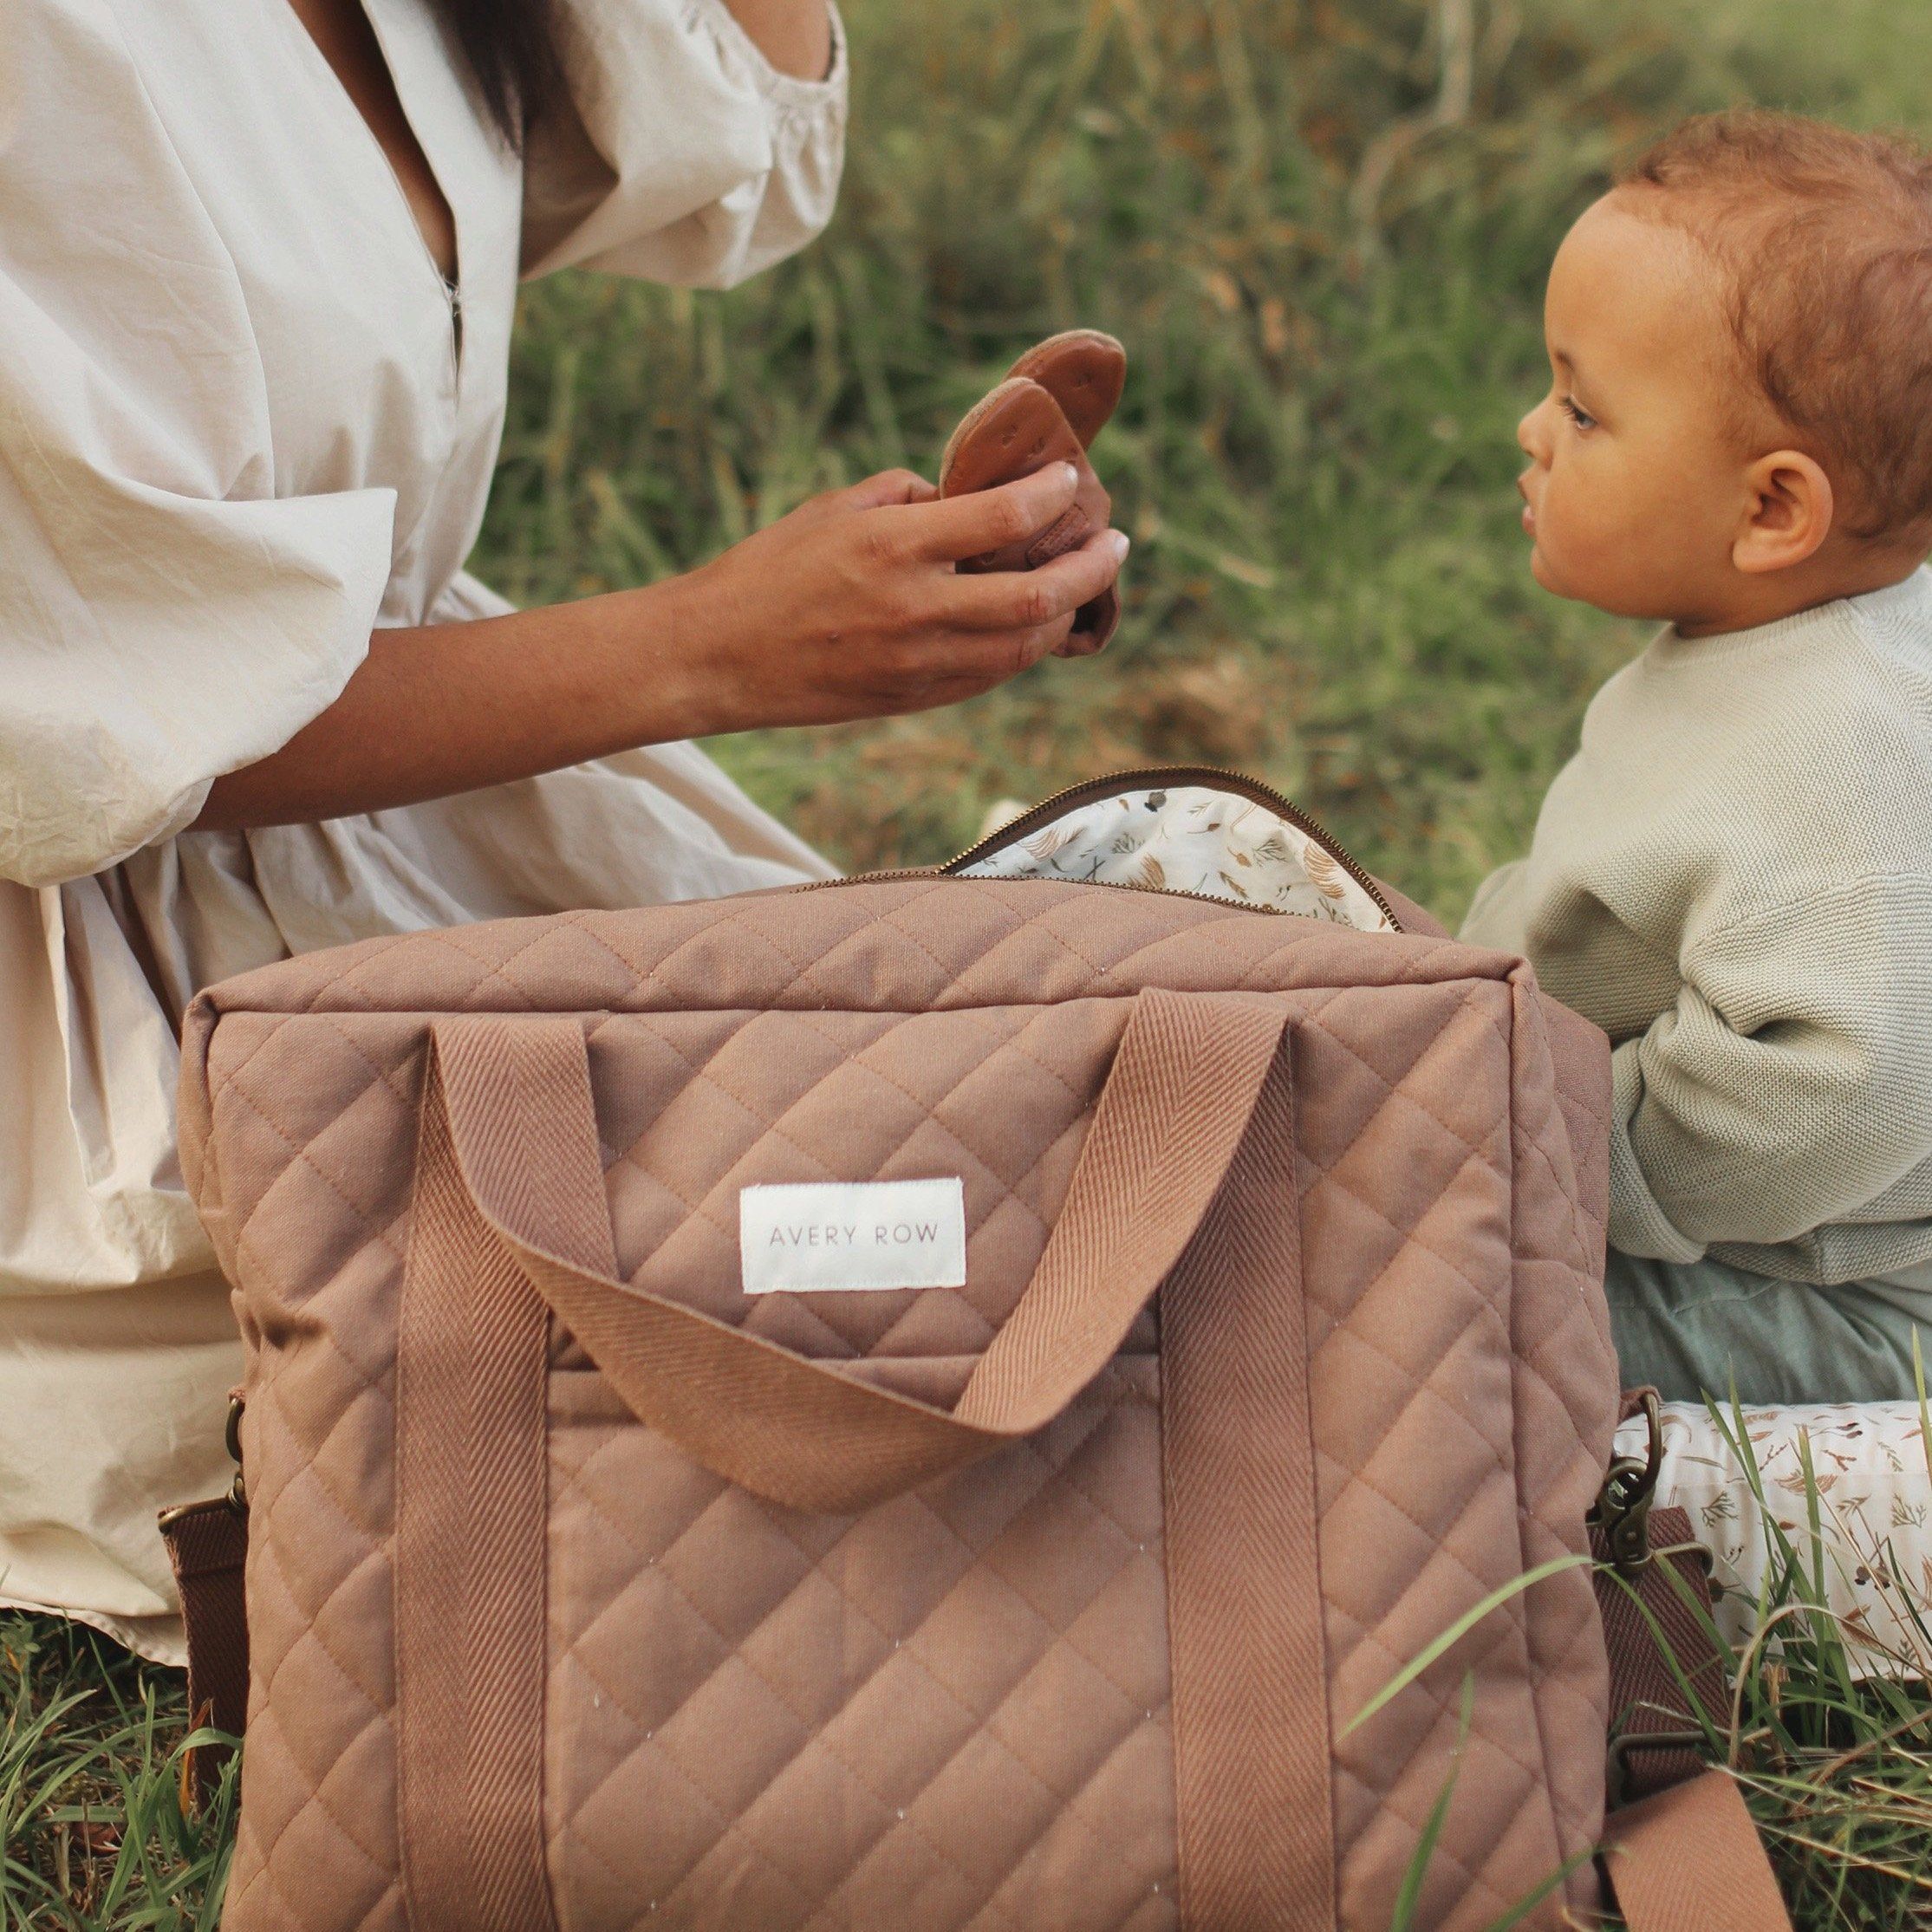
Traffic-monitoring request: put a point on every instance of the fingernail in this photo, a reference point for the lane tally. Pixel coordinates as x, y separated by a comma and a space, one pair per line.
1121, 542
1068, 475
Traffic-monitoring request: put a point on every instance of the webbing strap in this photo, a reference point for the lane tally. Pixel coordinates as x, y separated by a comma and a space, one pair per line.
1252, 1771
207, 1548
1689, 1859
1685, 1857
472, 1376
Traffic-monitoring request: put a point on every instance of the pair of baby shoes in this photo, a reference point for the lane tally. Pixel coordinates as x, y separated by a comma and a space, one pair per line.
1052, 404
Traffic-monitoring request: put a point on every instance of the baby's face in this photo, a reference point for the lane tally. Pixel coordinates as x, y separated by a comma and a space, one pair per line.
1637, 478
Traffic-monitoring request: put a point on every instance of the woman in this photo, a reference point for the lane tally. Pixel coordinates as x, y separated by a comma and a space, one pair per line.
257, 271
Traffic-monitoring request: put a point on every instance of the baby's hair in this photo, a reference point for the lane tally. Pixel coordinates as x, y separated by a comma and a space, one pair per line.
1826, 238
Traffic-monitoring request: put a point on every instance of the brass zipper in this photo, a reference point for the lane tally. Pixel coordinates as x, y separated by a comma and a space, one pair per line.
1089, 789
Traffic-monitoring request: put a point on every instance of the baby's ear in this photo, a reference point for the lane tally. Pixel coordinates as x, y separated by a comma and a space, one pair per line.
1787, 515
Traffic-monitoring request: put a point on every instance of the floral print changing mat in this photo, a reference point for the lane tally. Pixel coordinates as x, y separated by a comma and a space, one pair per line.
1873, 1544
1211, 837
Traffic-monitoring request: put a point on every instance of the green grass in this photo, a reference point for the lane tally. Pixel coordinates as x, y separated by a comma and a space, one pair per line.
1315, 452
1332, 310
93, 1832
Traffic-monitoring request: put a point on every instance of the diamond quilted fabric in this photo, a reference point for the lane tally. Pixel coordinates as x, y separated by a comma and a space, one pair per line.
952, 1709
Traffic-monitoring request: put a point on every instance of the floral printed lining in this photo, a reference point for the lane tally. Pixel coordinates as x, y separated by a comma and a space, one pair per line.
1875, 1512
1192, 838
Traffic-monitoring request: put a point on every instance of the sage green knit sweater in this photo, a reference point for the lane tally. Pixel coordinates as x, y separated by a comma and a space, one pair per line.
1733, 878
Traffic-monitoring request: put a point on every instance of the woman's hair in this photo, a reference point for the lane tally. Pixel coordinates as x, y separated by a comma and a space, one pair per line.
512, 48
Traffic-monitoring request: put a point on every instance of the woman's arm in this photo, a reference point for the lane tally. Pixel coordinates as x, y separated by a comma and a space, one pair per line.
849, 607
795, 36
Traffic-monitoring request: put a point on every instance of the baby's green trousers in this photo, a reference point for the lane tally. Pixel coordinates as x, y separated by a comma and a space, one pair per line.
1691, 1327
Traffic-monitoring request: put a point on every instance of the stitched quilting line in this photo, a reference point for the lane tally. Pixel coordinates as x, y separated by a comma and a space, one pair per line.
1439, 1042
937, 999
701, 1210
980, 1724
702, 1073
485, 970
264, 1873
318, 1796
653, 975
1576, 1264
928, 1115
1578, 1260
1510, 1630
1471, 1151
1511, 1616
1005, 1043
1515, 1627
370, 1382
1389, 1798
775, 1124
1067, 1811
1519, 1237
1386, 1794
734, 921
1101, 1413
979, 1731
404, 1097
1505, 1629
1554, 1113
1011, 1190
977, 1015
912, 937
1034, 923
373, 1550
929, 1112
365, 1216
313, 1463
379, 949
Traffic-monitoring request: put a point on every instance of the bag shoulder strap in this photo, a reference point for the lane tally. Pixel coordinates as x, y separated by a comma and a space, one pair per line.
1685, 1855
207, 1544
1688, 1859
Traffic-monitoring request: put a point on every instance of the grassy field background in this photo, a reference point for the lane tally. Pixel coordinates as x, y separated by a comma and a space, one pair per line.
1321, 226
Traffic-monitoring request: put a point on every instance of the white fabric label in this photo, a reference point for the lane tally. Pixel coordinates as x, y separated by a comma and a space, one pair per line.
852, 1234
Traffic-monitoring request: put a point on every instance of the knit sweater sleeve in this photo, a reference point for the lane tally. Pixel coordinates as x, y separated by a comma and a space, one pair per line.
1785, 1087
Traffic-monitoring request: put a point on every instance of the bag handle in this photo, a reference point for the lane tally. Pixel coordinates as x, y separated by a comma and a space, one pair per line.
510, 1119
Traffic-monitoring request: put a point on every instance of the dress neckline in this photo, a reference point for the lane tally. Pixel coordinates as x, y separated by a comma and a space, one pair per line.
327, 78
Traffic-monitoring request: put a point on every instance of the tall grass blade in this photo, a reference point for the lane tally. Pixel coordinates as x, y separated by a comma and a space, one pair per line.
1455, 1633
1401, 1917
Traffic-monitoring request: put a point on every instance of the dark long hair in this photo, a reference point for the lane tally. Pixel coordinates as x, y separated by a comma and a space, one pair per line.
512, 48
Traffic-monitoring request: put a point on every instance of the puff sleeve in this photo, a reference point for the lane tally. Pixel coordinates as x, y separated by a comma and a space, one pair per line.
164, 616
682, 155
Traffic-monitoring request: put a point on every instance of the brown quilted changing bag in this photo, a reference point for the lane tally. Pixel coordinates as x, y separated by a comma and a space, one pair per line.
587, 1592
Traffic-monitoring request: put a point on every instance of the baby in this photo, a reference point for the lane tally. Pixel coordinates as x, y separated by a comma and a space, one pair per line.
1734, 875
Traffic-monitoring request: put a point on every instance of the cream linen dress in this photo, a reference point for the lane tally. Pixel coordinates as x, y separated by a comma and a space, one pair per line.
243, 420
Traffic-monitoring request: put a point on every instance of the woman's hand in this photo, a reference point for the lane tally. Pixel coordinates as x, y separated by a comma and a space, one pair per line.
849, 607
852, 607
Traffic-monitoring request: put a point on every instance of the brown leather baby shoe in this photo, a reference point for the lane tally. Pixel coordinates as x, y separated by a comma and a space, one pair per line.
1084, 371
1055, 400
